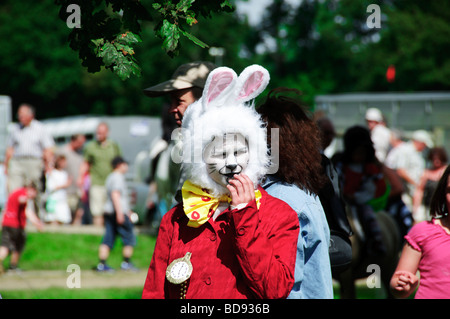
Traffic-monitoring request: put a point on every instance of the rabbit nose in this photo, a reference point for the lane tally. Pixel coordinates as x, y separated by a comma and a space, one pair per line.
231, 167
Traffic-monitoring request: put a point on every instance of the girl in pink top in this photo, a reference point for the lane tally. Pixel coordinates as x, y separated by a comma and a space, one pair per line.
428, 251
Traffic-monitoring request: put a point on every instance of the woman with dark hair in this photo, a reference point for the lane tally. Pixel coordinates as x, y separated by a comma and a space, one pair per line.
440, 201
427, 250
297, 182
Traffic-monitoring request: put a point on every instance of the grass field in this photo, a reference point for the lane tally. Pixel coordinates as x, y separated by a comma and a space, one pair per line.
55, 251
60, 293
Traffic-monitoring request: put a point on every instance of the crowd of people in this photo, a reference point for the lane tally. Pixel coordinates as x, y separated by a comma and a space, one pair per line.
63, 185
371, 177
416, 160
221, 214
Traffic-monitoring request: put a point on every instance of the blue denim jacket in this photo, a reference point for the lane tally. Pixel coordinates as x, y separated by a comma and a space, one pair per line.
312, 267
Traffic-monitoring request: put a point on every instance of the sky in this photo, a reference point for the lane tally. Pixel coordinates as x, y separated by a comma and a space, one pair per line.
255, 8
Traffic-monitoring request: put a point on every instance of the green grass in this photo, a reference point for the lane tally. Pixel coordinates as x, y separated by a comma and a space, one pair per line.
54, 251
61, 293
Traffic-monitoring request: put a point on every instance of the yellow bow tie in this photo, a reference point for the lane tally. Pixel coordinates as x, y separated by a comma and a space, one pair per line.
199, 205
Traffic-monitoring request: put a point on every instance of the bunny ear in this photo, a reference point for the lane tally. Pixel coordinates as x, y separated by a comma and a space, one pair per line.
219, 84
251, 82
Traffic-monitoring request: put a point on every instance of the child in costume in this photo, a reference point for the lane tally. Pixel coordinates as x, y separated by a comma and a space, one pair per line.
228, 238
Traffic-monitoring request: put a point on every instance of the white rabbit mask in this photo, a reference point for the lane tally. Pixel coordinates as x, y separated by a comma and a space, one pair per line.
226, 156
222, 135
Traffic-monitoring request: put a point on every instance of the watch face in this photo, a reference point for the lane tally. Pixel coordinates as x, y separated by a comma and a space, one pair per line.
179, 270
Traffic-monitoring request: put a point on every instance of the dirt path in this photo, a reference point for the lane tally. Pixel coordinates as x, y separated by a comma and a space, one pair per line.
44, 279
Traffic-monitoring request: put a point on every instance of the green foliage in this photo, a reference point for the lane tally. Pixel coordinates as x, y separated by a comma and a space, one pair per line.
323, 47
174, 18
99, 41
118, 54
319, 47
414, 38
39, 67
35, 64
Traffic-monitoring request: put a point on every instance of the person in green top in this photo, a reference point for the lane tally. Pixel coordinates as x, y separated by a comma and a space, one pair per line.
98, 155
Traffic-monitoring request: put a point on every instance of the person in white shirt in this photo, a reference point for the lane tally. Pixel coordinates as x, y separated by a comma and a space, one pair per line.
29, 148
397, 144
409, 164
379, 133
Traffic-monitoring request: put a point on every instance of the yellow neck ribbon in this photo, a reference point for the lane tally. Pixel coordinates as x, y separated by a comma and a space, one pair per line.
199, 205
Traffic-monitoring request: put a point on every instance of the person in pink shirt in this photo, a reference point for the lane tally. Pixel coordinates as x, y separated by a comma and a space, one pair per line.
427, 250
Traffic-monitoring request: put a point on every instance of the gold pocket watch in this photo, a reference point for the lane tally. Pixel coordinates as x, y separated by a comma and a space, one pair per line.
179, 270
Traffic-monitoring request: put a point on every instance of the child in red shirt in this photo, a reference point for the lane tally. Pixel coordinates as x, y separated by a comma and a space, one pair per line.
13, 225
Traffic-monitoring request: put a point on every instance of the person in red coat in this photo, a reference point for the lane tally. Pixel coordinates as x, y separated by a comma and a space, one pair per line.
228, 238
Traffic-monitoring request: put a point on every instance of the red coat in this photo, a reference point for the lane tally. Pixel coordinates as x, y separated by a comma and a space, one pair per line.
246, 253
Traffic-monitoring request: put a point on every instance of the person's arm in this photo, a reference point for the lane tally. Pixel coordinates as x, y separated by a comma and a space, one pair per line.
404, 174
266, 256
8, 154
84, 168
120, 214
48, 158
150, 202
31, 215
68, 182
404, 281
394, 181
10, 142
418, 193
47, 143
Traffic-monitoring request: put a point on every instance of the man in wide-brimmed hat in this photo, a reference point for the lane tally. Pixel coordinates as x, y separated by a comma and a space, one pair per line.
184, 87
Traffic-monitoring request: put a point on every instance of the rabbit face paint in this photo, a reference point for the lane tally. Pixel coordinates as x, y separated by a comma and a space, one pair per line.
226, 156
222, 134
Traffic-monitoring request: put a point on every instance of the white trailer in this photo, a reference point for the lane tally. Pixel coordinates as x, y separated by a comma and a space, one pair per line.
407, 112
5, 119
